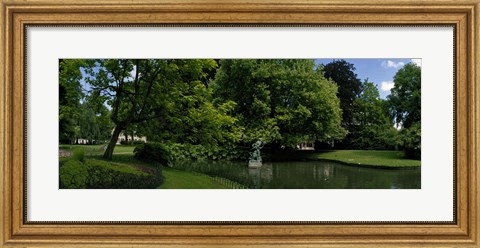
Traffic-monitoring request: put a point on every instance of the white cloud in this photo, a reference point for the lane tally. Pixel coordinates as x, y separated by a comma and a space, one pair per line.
418, 62
392, 64
386, 85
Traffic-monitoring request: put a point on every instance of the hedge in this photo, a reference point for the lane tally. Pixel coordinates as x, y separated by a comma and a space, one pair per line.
166, 153
96, 174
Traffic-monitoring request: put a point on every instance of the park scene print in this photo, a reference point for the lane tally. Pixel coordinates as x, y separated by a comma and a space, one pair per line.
240, 123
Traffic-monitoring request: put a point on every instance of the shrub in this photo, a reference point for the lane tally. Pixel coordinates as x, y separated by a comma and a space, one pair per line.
97, 174
412, 141
62, 161
103, 176
152, 151
170, 152
73, 175
79, 154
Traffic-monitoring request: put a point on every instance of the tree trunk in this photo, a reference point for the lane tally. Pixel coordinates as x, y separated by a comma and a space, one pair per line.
113, 141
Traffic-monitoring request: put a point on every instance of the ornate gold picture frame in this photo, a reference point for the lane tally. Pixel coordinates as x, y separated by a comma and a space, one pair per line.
16, 231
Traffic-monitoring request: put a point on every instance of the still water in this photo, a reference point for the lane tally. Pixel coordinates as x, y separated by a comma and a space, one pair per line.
308, 175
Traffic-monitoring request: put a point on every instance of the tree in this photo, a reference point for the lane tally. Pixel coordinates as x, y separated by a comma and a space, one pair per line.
405, 107
86, 121
93, 121
195, 120
373, 128
70, 93
280, 101
349, 87
405, 96
139, 90
369, 106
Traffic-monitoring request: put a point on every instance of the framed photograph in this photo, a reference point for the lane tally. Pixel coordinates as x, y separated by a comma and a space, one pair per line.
239, 123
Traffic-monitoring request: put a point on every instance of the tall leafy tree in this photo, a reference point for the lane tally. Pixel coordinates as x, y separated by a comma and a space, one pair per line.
88, 128
140, 90
405, 97
70, 93
195, 119
370, 108
280, 101
94, 121
349, 87
373, 127
405, 107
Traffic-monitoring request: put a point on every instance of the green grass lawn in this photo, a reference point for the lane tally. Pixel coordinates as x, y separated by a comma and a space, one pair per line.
369, 158
176, 179
98, 149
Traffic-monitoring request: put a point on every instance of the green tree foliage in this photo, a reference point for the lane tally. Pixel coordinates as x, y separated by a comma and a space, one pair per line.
88, 128
370, 110
411, 138
70, 93
349, 87
194, 119
280, 101
405, 97
94, 123
158, 90
405, 107
372, 128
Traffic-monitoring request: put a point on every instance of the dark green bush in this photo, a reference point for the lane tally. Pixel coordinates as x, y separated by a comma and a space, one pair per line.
96, 174
78, 154
62, 161
153, 151
101, 177
170, 152
412, 141
73, 175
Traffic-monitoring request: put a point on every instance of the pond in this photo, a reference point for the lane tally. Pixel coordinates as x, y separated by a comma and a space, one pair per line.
307, 175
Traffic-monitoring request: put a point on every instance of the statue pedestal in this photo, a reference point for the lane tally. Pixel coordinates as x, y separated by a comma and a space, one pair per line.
254, 164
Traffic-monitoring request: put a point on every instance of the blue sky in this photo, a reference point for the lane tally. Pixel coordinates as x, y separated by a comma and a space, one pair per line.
378, 71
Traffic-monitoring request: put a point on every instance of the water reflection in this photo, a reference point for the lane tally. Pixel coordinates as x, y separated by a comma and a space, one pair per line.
308, 175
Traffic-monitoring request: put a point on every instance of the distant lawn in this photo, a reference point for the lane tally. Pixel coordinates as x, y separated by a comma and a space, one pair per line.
124, 149
176, 179
98, 149
367, 158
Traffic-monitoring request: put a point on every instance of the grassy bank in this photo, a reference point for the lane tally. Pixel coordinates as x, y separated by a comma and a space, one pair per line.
391, 159
177, 179
366, 158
